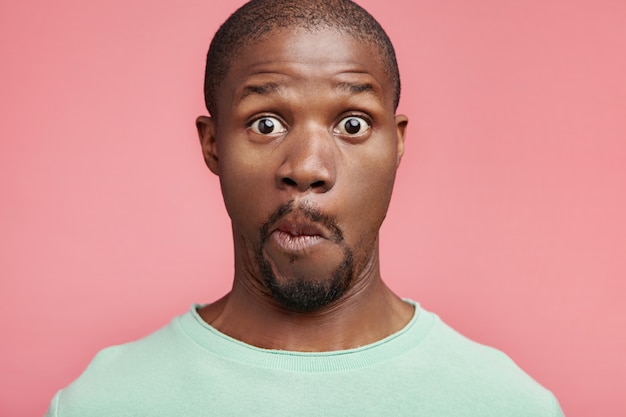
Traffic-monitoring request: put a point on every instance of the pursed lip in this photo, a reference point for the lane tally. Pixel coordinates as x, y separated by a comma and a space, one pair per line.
301, 228
297, 235
298, 227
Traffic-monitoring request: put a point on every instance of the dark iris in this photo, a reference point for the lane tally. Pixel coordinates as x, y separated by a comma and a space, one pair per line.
266, 126
352, 126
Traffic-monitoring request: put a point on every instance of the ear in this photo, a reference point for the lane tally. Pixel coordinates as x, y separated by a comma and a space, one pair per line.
206, 133
401, 122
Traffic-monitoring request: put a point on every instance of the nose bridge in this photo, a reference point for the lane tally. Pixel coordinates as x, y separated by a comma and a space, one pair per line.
309, 161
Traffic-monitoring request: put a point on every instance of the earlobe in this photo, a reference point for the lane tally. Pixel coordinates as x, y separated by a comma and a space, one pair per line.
401, 122
206, 133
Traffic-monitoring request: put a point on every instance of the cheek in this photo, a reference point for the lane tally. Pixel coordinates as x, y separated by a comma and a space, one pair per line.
372, 185
244, 188
373, 176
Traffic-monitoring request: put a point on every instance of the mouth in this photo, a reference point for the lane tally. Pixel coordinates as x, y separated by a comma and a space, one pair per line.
294, 229
297, 236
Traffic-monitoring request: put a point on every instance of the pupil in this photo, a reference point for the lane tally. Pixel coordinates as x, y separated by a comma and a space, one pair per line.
352, 126
266, 126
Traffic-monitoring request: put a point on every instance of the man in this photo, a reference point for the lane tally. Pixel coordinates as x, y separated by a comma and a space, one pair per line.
306, 143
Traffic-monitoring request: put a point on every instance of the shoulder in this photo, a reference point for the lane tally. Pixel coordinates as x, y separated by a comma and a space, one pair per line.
142, 352
459, 351
128, 373
466, 369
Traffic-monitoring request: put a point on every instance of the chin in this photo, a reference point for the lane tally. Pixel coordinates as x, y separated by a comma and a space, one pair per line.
302, 293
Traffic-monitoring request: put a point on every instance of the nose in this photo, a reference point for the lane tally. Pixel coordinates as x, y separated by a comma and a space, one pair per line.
309, 163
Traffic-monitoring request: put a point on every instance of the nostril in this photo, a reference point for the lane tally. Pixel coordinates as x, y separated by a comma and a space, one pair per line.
289, 181
292, 183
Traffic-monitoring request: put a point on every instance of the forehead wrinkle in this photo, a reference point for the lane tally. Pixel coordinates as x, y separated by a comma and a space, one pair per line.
298, 77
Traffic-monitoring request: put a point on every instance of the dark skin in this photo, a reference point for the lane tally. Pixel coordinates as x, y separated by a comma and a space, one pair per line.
306, 120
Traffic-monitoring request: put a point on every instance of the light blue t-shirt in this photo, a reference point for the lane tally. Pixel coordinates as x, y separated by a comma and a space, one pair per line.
188, 368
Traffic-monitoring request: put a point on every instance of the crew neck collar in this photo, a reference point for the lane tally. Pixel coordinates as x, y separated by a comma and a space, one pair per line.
226, 347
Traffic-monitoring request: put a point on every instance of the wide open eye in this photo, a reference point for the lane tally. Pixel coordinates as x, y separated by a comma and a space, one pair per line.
267, 125
352, 126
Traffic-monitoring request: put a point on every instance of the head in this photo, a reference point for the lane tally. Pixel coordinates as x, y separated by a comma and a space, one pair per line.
304, 138
259, 18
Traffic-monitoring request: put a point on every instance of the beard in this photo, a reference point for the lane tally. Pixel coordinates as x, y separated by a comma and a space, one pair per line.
299, 293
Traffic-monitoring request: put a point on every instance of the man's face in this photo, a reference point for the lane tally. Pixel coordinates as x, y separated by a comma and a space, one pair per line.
306, 146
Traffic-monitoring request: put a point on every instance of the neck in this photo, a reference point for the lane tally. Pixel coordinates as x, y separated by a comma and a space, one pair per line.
369, 311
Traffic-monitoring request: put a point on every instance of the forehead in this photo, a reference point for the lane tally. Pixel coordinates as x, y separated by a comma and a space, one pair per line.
300, 56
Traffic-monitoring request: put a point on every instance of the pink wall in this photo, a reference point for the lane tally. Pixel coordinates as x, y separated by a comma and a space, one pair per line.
508, 217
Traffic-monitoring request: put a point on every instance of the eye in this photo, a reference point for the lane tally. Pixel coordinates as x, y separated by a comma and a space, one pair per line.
352, 126
267, 125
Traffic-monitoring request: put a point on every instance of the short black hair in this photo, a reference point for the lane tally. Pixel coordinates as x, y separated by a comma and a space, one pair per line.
258, 18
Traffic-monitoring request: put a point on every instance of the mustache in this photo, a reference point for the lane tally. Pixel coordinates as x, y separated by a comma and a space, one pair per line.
310, 212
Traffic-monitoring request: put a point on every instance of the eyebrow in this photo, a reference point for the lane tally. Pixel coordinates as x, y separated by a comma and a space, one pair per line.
262, 89
357, 88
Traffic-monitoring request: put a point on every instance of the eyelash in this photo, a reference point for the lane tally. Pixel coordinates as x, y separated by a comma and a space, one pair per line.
368, 120
255, 119
258, 119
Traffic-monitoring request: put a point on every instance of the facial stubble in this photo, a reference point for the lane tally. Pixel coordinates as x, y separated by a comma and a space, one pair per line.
299, 293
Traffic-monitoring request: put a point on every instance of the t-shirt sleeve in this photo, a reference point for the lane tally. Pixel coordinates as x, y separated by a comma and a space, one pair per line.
558, 412
54, 404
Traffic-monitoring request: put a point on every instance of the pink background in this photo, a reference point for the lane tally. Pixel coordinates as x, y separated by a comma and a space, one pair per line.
507, 220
